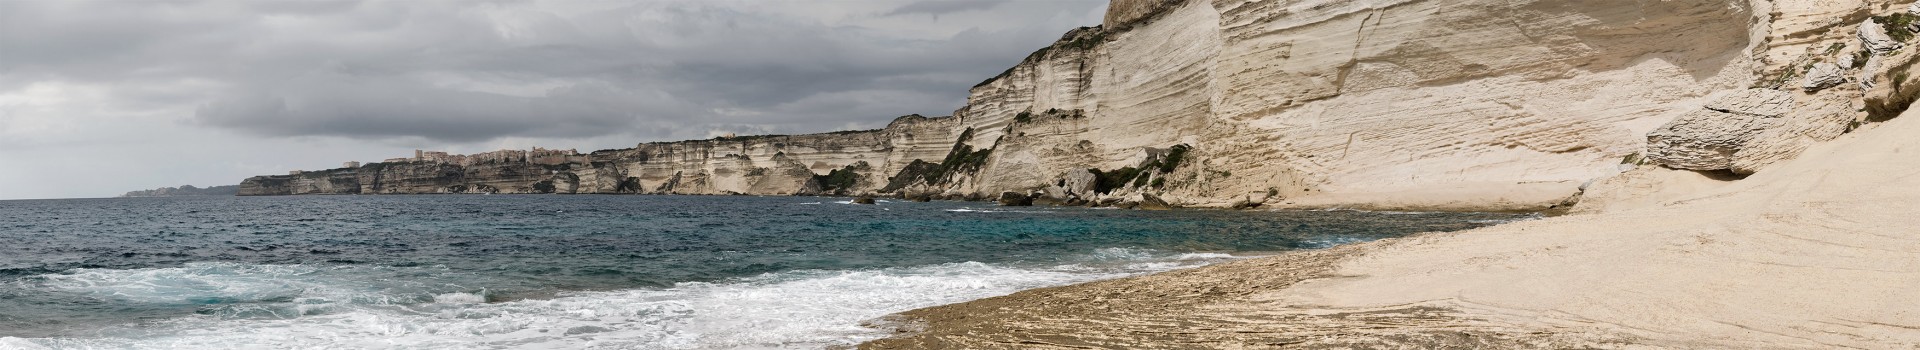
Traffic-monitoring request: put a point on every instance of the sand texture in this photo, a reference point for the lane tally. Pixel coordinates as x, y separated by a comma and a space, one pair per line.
1822, 251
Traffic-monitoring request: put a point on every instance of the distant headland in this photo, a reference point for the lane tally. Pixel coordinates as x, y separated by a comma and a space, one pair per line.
184, 191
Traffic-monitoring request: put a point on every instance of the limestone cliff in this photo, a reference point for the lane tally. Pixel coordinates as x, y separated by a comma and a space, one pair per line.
1379, 104
777, 164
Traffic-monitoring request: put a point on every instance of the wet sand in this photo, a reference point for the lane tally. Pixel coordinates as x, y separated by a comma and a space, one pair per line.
1820, 252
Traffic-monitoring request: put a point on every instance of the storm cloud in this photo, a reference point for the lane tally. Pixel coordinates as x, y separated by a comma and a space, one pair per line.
470, 71
482, 74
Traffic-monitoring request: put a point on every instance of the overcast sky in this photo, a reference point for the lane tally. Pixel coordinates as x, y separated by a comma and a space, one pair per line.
102, 97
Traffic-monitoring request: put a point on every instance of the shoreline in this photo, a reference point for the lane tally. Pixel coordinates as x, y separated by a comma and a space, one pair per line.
1814, 253
1202, 307
1546, 207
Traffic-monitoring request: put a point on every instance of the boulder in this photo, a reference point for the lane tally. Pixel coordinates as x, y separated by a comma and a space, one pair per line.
1707, 139
1824, 75
1048, 201
863, 200
1874, 37
919, 192
1747, 131
1914, 9
1052, 191
1079, 183
1151, 202
1820, 119
1015, 199
1867, 71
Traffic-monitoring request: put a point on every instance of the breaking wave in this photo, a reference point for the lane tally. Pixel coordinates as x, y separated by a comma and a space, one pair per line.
300, 306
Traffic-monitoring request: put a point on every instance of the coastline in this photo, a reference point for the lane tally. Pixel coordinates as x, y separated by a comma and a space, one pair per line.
1813, 254
570, 272
1214, 306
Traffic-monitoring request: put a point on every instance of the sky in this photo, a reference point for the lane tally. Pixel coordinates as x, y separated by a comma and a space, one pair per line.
102, 97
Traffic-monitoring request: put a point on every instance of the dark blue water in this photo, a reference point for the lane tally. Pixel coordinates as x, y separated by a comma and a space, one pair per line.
667, 272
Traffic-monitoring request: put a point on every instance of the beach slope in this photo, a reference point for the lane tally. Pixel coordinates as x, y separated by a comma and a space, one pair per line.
1822, 251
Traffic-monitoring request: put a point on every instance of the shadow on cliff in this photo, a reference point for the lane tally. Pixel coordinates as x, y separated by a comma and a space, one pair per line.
1701, 36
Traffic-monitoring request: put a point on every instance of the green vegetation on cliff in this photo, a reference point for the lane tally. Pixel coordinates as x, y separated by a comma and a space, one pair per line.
1148, 173
961, 159
839, 181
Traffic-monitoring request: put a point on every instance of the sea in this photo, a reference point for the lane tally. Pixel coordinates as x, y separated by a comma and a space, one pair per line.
581, 271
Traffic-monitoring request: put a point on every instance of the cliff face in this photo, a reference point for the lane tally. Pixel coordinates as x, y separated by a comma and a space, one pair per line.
1383, 104
777, 165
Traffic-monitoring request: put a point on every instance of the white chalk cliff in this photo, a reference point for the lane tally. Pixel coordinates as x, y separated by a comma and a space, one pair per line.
1746, 176
1375, 104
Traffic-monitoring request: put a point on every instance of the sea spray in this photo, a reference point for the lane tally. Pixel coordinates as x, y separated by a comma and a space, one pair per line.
792, 309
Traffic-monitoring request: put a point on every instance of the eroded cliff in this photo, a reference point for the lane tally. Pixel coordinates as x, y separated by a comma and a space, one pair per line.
1383, 104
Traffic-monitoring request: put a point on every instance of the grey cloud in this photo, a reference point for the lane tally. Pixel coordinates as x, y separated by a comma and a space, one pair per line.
359, 106
941, 7
469, 72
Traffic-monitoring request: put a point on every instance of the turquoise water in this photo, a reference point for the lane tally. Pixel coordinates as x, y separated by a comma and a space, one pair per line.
649, 272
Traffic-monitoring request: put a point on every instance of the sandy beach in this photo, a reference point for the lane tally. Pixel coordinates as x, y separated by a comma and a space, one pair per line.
1819, 252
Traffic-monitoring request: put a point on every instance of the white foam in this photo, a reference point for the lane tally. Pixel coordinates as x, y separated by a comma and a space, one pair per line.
794, 309
972, 210
11, 343
302, 288
459, 298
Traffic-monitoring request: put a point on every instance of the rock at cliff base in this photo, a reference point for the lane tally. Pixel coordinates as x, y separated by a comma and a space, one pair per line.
1707, 139
1823, 75
1702, 140
1243, 205
863, 200
1875, 37
1151, 202
1079, 182
1015, 199
1048, 201
1820, 119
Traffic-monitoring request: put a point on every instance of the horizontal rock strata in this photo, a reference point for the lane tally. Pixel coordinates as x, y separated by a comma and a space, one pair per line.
1389, 104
